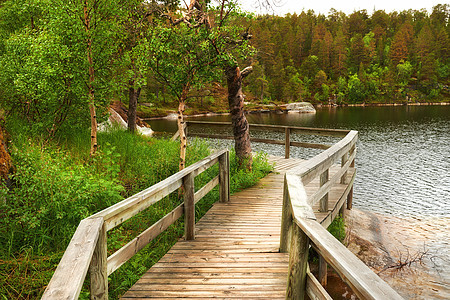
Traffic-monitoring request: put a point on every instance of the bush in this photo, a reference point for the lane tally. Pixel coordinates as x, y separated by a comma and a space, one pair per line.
52, 193
337, 228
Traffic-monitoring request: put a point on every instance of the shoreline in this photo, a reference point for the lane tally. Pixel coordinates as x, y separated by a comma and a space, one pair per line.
382, 242
278, 109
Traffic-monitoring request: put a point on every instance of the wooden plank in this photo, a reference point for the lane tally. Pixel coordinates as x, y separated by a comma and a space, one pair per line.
298, 262
126, 252
314, 289
324, 199
189, 207
268, 294
98, 268
206, 189
224, 178
277, 128
311, 168
69, 276
325, 188
363, 281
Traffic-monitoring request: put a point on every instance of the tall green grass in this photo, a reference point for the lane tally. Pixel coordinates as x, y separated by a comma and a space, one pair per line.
56, 184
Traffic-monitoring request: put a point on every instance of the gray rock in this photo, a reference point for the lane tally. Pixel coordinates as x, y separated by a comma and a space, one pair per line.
300, 107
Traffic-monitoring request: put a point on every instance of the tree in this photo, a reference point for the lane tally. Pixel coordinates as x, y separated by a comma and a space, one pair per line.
399, 50
181, 57
189, 52
339, 55
426, 58
63, 62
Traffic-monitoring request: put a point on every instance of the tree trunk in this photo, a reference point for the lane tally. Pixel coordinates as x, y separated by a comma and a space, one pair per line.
93, 128
180, 123
87, 21
132, 106
240, 125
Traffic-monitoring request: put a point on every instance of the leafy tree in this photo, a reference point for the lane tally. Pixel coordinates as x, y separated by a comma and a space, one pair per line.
356, 90
61, 63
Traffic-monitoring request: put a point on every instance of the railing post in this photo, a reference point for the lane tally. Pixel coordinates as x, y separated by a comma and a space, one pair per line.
287, 142
343, 161
224, 177
324, 200
189, 207
286, 220
298, 262
322, 271
352, 165
98, 268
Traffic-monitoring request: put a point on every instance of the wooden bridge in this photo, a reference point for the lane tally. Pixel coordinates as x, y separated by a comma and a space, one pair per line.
252, 245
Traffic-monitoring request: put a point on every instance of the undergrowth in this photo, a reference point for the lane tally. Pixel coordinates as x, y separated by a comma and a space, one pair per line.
56, 184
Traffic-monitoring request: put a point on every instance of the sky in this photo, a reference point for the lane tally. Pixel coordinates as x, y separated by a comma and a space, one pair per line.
347, 6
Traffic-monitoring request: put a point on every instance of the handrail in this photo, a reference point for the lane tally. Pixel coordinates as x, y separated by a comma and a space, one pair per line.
288, 130
87, 249
299, 228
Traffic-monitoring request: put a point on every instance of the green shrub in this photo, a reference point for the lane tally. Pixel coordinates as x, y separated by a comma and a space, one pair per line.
337, 228
52, 193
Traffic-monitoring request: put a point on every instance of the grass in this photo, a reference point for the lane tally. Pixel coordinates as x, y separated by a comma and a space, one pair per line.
57, 185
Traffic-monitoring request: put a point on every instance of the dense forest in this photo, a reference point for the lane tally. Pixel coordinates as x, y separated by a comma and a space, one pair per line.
352, 58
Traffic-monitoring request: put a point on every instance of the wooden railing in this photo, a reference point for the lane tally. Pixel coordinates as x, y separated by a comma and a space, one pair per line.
87, 251
287, 130
299, 229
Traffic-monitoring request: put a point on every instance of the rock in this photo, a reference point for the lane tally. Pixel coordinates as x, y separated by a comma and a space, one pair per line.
116, 118
382, 242
172, 116
300, 107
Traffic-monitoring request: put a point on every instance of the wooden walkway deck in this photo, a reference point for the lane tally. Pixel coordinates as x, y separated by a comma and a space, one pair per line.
235, 251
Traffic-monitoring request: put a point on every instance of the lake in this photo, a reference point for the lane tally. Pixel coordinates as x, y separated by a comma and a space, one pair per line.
403, 155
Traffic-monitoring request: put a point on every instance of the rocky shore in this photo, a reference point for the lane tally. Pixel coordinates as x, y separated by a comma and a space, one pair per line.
412, 255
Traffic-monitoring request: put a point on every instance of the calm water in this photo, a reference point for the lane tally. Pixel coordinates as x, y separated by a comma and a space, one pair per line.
403, 156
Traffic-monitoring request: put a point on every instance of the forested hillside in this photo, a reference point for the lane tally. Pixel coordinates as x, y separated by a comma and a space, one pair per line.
354, 58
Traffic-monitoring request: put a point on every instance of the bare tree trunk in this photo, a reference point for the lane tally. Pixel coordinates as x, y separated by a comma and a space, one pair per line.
180, 123
94, 144
241, 133
87, 21
133, 96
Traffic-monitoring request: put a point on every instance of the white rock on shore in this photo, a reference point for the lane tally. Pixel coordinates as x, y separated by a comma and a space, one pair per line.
300, 107
116, 119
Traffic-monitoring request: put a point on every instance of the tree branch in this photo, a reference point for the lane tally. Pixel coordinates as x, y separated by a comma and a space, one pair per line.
246, 71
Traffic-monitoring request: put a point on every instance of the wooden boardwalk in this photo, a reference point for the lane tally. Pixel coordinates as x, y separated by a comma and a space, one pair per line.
235, 251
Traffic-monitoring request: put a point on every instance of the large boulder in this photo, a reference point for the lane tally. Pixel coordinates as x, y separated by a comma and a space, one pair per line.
300, 107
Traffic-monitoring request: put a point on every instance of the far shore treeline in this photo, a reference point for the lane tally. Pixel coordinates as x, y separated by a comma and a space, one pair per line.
361, 57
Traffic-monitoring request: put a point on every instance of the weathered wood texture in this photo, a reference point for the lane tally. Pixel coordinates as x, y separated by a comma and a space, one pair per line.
67, 281
235, 253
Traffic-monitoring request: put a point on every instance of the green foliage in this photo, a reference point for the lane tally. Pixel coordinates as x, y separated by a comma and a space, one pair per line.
337, 228
356, 89
405, 71
52, 194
